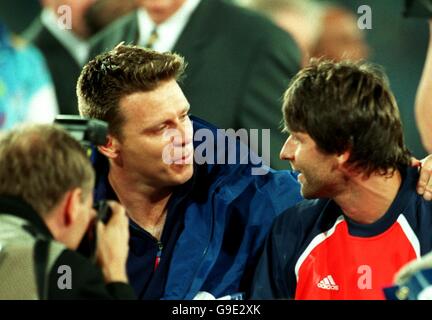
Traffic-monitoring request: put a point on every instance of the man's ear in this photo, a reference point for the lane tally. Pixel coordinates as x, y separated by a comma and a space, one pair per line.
342, 158
111, 148
73, 206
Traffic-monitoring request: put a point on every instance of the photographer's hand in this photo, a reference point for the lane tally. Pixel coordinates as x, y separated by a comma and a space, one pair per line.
113, 244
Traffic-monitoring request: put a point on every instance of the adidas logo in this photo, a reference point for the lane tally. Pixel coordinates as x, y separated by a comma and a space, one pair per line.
328, 283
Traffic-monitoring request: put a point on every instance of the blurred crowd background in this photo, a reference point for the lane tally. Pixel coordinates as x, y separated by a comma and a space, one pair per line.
398, 44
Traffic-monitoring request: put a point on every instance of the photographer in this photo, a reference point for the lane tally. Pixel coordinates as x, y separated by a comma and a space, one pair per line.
46, 183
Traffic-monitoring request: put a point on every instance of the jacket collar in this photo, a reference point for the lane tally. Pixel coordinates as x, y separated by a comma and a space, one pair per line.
17, 207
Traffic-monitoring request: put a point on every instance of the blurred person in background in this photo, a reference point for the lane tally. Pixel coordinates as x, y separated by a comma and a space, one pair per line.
300, 18
340, 38
61, 33
239, 62
26, 89
321, 30
423, 105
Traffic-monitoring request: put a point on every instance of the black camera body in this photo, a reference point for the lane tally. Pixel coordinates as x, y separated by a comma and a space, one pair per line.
103, 211
90, 133
87, 131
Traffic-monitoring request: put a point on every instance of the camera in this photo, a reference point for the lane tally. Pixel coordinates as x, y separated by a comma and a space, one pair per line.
90, 133
86, 131
103, 211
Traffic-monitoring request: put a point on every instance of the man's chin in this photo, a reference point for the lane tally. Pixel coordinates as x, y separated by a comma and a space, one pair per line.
315, 193
306, 194
182, 172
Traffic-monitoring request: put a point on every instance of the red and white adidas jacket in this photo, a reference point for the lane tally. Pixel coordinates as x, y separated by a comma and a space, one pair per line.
315, 252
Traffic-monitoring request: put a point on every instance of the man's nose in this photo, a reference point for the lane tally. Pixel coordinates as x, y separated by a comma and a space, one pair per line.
183, 134
287, 151
186, 132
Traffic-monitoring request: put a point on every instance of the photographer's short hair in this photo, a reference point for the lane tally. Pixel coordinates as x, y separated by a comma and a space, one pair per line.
348, 106
122, 71
40, 163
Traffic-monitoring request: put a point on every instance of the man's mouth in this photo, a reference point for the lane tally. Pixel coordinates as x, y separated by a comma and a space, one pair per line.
300, 174
187, 156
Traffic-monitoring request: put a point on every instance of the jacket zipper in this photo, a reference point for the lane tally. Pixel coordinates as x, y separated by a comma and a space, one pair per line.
204, 253
158, 255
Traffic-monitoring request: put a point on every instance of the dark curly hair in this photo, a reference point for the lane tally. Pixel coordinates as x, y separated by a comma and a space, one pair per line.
348, 106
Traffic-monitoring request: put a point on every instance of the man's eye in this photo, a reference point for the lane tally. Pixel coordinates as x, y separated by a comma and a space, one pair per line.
160, 128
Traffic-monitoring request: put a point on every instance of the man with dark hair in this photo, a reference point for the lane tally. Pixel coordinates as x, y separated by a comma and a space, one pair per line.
347, 144
46, 184
194, 227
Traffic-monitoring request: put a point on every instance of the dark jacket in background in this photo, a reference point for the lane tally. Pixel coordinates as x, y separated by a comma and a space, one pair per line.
239, 65
63, 67
18, 14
